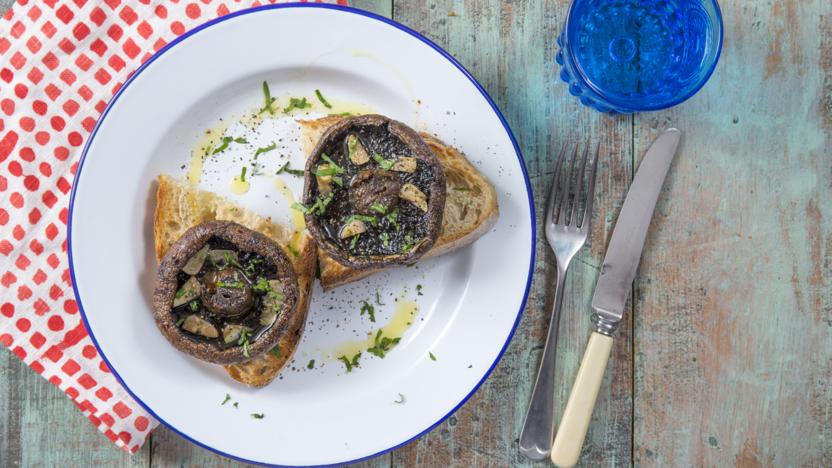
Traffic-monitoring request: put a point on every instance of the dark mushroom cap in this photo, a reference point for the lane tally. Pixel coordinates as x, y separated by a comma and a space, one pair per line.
397, 230
241, 307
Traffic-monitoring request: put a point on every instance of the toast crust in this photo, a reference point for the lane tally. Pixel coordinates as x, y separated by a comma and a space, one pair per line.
179, 207
471, 208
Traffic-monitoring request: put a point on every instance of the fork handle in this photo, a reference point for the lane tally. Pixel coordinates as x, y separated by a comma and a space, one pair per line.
578, 412
539, 426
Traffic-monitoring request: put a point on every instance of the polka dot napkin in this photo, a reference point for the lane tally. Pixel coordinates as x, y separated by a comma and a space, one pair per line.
60, 62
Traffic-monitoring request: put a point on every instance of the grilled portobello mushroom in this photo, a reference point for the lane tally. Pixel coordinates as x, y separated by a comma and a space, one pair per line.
374, 193
224, 293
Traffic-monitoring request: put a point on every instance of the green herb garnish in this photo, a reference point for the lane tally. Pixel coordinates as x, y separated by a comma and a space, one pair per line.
230, 260
236, 404
194, 306
319, 207
350, 363
369, 309
292, 250
385, 239
326, 158
366, 218
382, 345
276, 351
311, 364
379, 208
226, 141
285, 168
322, 99
265, 149
267, 99
261, 286
227, 397
231, 284
354, 241
180, 321
393, 218
243, 341
378, 299
243, 174
408, 242
432, 357
296, 103
419, 289
258, 415
385, 164
179, 293
401, 400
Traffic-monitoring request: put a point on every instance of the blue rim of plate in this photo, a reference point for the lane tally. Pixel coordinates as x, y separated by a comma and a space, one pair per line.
343, 9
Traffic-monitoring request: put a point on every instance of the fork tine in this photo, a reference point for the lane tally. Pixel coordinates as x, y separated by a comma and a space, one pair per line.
563, 205
590, 194
550, 207
579, 189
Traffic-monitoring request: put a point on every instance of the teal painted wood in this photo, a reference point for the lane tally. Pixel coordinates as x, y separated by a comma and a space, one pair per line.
734, 324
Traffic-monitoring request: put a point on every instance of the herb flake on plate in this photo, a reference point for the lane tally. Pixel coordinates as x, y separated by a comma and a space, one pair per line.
322, 99
285, 168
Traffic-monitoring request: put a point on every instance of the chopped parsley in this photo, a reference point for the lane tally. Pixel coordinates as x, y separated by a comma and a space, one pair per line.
226, 142
179, 293
322, 99
236, 404
419, 289
261, 286
285, 168
311, 364
267, 99
180, 321
354, 241
296, 103
462, 189
393, 218
243, 341
350, 363
326, 158
385, 239
379, 208
432, 357
265, 149
227, 397
369, 309
382, 345
258, 415
319, 207
194, 306
292, 250
276, 351
230, 260
385, 164
243, 174
408, 242
231, 284
401, 400
378, 299
367, 219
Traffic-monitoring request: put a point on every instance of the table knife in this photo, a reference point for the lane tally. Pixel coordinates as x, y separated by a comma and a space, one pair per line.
611, 292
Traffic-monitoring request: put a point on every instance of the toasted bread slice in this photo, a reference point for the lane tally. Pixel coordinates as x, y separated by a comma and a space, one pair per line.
470, 205
180, 207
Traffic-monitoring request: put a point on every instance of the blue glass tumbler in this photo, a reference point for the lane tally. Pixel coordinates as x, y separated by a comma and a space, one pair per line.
625, 56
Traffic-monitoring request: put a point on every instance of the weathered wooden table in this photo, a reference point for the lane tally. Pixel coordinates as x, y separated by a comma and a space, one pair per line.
726, 355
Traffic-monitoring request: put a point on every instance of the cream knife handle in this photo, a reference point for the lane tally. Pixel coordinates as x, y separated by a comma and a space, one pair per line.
575, 421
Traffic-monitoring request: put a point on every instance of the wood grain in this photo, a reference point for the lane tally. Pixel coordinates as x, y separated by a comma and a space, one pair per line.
510, 48
734, 306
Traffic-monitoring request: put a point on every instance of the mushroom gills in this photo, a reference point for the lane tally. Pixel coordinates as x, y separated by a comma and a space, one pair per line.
187, 292
232, 332
353, 228
412, 194
356, 151
195, 263
404, 164
199, 326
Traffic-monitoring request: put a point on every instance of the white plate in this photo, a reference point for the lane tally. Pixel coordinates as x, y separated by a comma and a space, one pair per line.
472, 299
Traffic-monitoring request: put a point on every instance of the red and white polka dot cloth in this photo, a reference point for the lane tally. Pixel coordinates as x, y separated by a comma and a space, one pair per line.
60, 62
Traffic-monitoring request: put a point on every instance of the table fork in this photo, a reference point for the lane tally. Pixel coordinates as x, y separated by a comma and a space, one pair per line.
566, 236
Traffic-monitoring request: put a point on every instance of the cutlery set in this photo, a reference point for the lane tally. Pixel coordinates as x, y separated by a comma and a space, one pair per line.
572, 188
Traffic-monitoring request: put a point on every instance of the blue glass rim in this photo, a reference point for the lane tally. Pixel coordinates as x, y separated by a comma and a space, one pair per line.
612, 102
345, 9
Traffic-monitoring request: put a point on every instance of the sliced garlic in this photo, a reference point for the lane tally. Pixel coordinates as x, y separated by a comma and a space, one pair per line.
412, 194
188, 292
195, 263
404, 164
199, 326
353, 228
356, 151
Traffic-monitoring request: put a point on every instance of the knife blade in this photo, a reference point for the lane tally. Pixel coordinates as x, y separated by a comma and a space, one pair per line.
630, 232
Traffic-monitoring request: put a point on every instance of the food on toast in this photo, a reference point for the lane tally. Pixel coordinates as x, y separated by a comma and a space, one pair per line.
224, 293
470, 208
374, 193
180, 207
